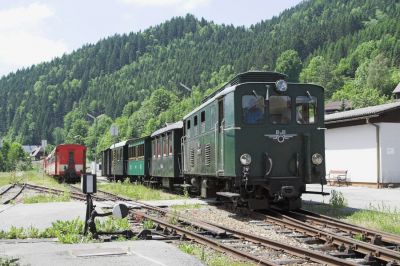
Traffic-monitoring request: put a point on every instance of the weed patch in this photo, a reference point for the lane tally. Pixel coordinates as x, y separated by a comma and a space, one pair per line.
337, 199
136, 192
67, 232
379, 218
186, 206
40, 198
210, 258
5, 261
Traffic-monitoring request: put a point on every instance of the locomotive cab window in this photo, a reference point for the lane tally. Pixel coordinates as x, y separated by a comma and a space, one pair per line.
280, 109
306, 109
253, 109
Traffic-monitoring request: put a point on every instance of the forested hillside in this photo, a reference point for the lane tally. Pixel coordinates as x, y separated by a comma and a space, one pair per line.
350, 47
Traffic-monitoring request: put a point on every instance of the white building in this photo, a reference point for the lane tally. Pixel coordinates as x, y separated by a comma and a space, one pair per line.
366, 143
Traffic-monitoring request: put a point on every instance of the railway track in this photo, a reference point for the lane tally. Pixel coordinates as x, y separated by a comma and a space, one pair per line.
11, 193
237, 243
345, 246
382, 248
390, 241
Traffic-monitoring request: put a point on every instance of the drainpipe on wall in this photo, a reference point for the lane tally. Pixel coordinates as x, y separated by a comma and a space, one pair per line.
378, 153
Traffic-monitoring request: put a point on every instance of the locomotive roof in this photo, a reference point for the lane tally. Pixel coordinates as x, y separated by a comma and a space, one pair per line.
169, 127
249, 76
119, 144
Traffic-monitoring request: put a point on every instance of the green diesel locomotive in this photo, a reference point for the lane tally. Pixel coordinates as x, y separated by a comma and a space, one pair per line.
258, 140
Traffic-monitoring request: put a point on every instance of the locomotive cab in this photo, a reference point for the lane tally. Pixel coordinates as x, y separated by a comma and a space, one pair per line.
257, 140
279, 141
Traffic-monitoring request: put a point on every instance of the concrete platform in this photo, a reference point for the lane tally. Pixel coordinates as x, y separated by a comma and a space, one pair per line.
39, 215
359, 197
115, 253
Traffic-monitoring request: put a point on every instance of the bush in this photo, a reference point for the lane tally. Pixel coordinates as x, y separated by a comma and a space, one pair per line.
337, 199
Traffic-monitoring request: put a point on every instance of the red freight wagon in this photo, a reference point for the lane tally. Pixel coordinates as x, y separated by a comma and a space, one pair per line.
66, 162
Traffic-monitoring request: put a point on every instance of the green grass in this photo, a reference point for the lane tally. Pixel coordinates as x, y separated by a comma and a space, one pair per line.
5, 261
379, 218
136, 192
31, 176
186, 206
67, 232
40, 198
210, 258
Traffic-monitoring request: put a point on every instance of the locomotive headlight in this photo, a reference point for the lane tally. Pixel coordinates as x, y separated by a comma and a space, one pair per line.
281, 85
317, 159
245, 159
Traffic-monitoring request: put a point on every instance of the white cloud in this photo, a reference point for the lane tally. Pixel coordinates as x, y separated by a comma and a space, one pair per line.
24, 17
22, 41
184, 5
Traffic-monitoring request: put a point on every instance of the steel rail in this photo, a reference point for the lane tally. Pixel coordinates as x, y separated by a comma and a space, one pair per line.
210, 242
299, 252
295, 251
378, 252
7, 189
15, 196
74, 195
323, 220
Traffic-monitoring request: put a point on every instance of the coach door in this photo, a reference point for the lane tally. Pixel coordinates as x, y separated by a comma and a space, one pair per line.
220, 137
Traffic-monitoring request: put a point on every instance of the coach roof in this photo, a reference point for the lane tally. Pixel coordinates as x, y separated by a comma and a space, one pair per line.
169, 127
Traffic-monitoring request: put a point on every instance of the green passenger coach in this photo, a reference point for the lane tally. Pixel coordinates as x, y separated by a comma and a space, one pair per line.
166, 164
139, 152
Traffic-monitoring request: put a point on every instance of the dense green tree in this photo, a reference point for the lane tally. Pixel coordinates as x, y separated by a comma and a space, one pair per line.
78, 132
118, 75
289, 63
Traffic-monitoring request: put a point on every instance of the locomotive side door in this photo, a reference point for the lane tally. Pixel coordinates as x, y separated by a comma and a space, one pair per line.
219, 146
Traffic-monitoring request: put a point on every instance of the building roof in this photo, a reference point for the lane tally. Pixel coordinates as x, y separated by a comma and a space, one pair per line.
371, 111
397, 89
36, 151
176, 125
29, 148
338, 106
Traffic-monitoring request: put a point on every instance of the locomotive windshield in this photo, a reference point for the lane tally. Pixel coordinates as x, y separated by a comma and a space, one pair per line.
280, 109
253, 109
306, 109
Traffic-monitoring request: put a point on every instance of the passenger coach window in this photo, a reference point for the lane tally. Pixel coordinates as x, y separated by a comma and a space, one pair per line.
253, 109
306, 109
165, 142
280, 109
170, 143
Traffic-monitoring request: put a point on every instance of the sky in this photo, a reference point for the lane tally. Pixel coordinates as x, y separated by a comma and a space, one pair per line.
34, 31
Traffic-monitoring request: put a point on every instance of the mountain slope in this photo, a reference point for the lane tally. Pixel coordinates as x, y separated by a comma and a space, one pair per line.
124, 71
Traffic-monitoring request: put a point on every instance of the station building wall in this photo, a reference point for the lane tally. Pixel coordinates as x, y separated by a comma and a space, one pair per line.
390, 152
354, 148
